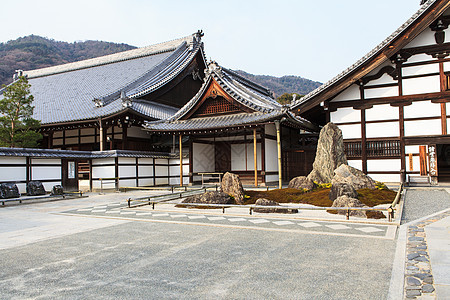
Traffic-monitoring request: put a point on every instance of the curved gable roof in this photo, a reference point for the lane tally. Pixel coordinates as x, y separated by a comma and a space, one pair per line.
428, 12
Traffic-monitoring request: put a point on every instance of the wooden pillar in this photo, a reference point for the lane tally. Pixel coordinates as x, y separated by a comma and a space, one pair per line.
280, 179
101, 135
181, 160
124, 136
116, 173
28, 169
363, 132
263, 155
401, 119
137, 172
191, 160
255, 157
90, 175
443, 89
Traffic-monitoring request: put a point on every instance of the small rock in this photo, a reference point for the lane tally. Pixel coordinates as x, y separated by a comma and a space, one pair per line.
210, 198
412, 281
428, 288
412, 293
428, 279
35, 188
415, 239
340, 189
412, 268
9, 190
422, 252
266, 202
57, 190
412, 256
354, 177
421, 258
422, 276
346, 201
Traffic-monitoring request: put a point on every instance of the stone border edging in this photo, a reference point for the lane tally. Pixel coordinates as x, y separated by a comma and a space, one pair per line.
418, 278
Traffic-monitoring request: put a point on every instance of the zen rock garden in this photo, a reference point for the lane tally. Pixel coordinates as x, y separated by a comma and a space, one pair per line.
331, 183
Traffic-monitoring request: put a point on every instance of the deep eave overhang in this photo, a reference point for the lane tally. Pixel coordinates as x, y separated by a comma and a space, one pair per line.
428, 13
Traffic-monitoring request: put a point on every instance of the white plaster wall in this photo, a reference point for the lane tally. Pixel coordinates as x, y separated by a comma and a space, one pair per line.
416, 163
13, 173
271, 178
107, 184
176, 181
350, 93
103, 161
48, 186
270, 129
127, 183
355, 163
351, 131
382, 112
127, 171
385, 129
381, 92
430, 84
103, 171
345, 114
421, 109
164, 161
203, 157
271, 155
175, 170
161, 170
423, 39
12, 160
238, 156
145, 171
145, 160
419, 70
42, 173
44, 161
383, 165
384, 79
127, 160
161, 181
427, 127
385, 177
420, 58
412, 149
146, 182
250, 158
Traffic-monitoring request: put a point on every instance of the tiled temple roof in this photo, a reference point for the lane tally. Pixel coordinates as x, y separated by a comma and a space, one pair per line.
110, 84
258, 99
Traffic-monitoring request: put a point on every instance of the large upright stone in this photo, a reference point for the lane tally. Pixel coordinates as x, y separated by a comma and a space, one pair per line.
354, 177
346, 201
339, 189
329, 155
210, 198
231, 185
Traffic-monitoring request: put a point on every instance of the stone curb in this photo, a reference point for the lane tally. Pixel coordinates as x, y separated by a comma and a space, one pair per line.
418, 281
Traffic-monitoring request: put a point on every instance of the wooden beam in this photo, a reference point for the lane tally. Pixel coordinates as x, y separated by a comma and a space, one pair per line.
191, 161
255, 156
443, 83
263, 155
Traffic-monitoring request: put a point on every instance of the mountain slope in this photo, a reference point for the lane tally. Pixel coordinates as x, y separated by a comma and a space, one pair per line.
284, 84
34, 52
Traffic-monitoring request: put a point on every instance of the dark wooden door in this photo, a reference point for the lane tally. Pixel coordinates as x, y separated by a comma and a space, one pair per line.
69, 171
222, 151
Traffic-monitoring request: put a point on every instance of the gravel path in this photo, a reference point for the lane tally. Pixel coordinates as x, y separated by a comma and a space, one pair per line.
420, 203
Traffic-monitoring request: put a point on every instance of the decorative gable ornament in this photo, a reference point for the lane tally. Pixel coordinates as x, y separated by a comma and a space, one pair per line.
98, 102
213, 67
126, 102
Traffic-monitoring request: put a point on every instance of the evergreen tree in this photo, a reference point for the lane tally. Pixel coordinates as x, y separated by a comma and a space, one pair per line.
17, 127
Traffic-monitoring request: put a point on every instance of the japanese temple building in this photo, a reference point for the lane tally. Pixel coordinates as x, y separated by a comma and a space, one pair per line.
101, 103
392, 105
233, 124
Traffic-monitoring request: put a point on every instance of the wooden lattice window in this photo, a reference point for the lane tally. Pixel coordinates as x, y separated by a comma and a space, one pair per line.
374, 149
214, 106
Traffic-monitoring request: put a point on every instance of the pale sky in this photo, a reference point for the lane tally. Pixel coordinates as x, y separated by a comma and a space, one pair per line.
313, 39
